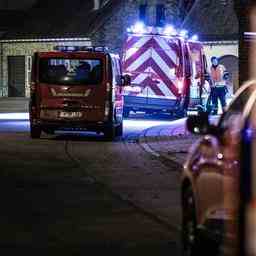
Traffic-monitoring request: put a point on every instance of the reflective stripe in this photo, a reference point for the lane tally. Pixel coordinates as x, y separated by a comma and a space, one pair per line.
219, 85
217, 74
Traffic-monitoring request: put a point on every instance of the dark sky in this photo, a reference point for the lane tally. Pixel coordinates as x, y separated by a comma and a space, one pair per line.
16, 4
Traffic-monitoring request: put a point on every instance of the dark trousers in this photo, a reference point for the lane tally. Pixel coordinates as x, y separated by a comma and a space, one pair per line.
218, 93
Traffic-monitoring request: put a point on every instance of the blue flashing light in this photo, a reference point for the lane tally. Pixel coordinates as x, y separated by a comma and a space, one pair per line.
183, 33
248, 134
169, 30
194, 38
139, 27
65, 48
76, 48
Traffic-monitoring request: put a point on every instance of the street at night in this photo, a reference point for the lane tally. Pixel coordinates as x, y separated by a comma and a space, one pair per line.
73, 193
127, 127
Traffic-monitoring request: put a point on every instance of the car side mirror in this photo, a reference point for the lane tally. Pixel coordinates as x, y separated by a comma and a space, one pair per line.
199, 123
126, 80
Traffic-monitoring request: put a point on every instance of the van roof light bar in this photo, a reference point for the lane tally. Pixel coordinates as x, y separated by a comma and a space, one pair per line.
75, 48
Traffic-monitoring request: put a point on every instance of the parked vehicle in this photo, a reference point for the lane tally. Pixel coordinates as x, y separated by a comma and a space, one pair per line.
167, 72
211, 177
77, 88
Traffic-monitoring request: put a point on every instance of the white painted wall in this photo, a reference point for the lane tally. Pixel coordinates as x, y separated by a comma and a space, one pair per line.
219, 49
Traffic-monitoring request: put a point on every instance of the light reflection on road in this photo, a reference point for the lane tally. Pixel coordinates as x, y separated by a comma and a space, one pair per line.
138, 125
18, 122
14, 116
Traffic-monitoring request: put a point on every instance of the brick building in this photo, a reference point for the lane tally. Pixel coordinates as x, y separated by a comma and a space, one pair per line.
218, 25
49, 23
99, 22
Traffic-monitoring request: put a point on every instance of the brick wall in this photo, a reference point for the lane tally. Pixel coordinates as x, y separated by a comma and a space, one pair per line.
113, 32
24, 49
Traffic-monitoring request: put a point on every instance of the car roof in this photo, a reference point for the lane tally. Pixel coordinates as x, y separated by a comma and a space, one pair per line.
251, 84
251, 87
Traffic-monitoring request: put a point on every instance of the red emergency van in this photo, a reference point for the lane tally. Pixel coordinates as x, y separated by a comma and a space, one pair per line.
167, 71
77, 88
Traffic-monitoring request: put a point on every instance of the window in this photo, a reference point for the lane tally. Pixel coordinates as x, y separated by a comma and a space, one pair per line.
142, 14
188, 5
160, 15
185, 6
64, 71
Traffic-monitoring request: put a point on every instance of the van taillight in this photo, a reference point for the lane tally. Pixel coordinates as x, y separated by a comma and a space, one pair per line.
107, 108
33, 87
108, 85
180, 85
33, 110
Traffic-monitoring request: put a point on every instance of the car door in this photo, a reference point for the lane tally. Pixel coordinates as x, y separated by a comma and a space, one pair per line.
218, 165
244, 226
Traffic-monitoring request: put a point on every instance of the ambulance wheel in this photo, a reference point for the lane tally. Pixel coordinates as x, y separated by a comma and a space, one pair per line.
35, 132
126, 112
110, 133
119, 130
195, 241
49, 131
181, 113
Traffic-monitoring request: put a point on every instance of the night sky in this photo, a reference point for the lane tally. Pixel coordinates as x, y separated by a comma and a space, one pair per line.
16, 4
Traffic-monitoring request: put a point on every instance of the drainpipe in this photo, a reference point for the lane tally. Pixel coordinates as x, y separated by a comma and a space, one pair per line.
2, 68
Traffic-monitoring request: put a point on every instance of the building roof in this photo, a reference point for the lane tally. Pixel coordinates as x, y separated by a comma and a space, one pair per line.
213, 20
61, 18
10, 18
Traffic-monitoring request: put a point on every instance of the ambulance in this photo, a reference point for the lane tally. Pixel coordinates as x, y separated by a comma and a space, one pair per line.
167, 71
77, 88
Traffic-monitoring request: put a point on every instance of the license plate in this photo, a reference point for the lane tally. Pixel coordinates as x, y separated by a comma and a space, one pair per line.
192, 112
70, 114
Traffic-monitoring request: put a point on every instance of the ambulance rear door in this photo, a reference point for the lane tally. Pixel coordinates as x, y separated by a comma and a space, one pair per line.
153, 62
198, 92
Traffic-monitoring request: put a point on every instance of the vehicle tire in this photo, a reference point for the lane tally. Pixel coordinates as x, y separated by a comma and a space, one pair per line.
110, 133
194, 241
35, 132
180, 113
49, 131
189, 223
119, 130
126, 112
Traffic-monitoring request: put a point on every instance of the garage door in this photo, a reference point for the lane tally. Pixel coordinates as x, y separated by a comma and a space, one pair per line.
16, 76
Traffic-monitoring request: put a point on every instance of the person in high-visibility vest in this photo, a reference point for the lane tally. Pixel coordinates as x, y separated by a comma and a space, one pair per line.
219, 77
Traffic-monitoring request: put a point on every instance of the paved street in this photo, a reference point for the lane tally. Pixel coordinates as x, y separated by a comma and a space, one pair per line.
86, 65
69, 194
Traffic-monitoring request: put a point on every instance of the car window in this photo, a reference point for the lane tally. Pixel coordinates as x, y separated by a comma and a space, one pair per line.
70, 71
116, 71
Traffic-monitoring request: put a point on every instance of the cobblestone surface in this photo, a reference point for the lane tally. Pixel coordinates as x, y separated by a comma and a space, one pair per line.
171, 144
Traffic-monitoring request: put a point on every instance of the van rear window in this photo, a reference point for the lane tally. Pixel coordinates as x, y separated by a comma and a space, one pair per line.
64, 71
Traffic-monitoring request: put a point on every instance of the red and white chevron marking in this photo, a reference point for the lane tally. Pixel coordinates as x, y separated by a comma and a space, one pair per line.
151, 60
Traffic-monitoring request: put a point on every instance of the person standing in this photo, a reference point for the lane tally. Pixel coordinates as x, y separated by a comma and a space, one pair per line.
218, 83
